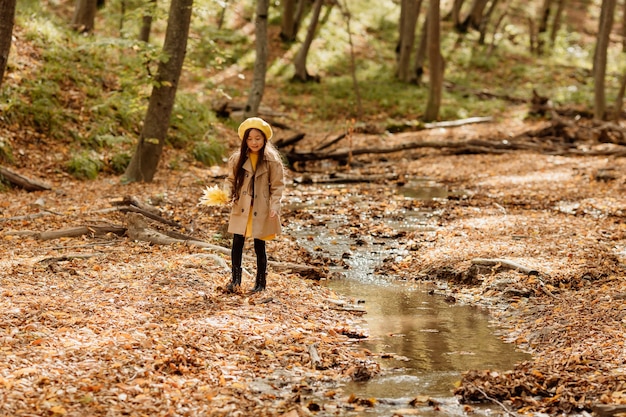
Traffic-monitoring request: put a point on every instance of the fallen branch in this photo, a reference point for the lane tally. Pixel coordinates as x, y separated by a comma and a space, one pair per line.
138, 230
505, 263
487, 397
27, 216
343, 154
68, 257
81, 231
21, 181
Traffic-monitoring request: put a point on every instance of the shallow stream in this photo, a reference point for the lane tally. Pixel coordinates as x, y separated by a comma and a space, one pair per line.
428, 342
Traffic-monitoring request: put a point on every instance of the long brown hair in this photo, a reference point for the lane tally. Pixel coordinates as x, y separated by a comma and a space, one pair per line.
243, 155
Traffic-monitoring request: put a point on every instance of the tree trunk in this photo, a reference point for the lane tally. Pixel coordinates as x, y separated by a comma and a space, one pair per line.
260, 63
7, 19
436, 64
455, 13
600, 57
619, 100
84, 17
146, 21
484, 22
145, 160
301, 73
475, 16
408, 22
623, 27
420, 54
301, 11
288, 22
542, 26
355, 82
556, 22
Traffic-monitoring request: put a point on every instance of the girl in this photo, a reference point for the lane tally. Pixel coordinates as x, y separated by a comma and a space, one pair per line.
256, 183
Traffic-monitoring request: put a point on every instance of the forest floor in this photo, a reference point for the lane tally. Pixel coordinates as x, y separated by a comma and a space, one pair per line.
101, 324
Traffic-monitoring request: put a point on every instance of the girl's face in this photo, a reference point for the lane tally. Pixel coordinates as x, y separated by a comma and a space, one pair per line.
255, 141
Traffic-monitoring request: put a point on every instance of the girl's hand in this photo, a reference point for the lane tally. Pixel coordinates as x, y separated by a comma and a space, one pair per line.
273, 213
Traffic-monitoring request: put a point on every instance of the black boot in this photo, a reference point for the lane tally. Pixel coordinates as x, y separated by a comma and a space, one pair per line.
261, 265
259, 284
236, 280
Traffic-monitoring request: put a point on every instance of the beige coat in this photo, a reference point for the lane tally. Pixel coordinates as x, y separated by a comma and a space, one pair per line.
269, 184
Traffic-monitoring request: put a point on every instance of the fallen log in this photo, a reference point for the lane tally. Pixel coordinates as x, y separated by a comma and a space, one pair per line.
281, 143
81, 231
343, 154
68, 257
138, 230
21, 181
339, 178
505, 263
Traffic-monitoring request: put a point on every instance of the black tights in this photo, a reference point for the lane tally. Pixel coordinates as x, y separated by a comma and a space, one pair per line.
236, 253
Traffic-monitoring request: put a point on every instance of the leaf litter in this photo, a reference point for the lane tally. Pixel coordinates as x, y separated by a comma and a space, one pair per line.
140, 329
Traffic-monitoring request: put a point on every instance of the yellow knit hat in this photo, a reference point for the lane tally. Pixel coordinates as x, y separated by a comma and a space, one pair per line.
255, 123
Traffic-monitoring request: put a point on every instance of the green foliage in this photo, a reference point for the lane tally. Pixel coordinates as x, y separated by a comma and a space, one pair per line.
209, 152
85, 165
119, 162
189, 120
6, 153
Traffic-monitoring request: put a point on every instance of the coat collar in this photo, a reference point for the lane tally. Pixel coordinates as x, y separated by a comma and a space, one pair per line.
260, 167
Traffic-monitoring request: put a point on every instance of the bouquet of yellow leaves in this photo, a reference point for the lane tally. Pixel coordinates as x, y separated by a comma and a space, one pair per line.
213, 196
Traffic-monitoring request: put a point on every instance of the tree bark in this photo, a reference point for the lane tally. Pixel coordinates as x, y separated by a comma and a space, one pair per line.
436, 64
7, 19
146, 21
556, 21
600, 57
21, 181
484, 22
408, 22
288, 22
145, 160
542, 26
420, 54
301, 74
84, 17
260, 63
475, 16
455, 13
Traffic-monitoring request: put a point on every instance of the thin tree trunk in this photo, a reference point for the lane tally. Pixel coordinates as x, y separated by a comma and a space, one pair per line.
301, 74
484, 22
220, 20
436, 66
355, 83
84, 17
624, 27
420, 54
475, 16
288, 23
146, 21
260, 63
407, 38
456, 13
145, 160
301, 10
7, 20
600, 57
542, 27
619, 100
496, 28
556, 22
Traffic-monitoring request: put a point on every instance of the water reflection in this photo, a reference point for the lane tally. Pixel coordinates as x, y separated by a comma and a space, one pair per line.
432, 340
